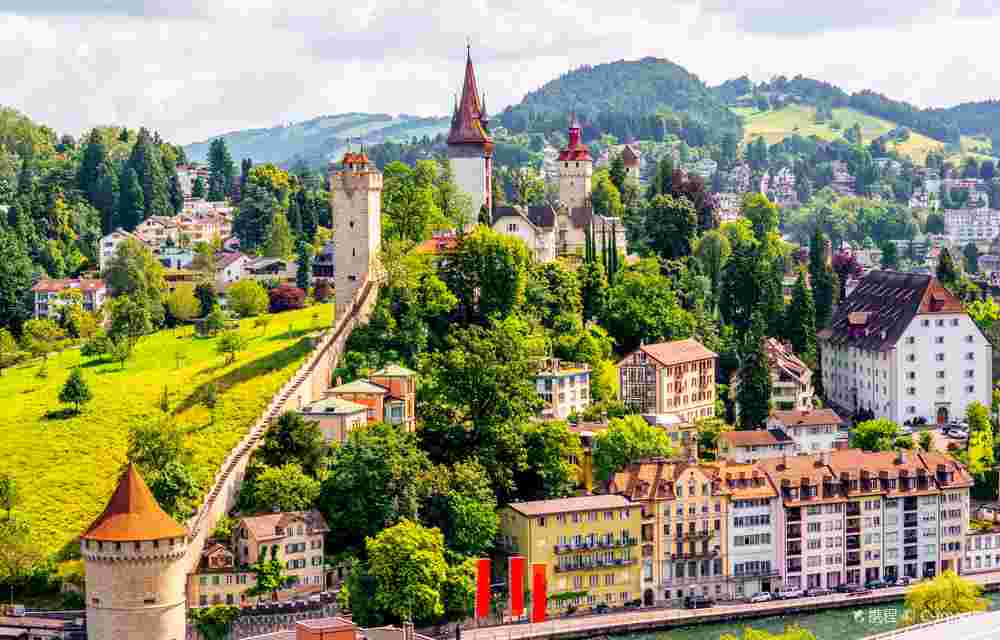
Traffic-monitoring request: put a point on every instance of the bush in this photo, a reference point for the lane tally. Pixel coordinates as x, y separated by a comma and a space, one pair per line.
247, 298
286, 298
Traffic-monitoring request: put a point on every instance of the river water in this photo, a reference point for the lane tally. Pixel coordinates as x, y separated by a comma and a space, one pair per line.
832, 624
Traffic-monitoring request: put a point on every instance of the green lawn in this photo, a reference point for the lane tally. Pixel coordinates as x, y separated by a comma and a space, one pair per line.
775, 126
66, 467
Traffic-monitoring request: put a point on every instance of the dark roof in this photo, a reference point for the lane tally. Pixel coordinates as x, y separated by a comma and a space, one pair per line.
581, 216
542, 215
882, 306
467, 121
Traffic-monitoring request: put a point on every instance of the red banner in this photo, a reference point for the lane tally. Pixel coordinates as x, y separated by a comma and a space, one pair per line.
516, 574
539, 593
483, 588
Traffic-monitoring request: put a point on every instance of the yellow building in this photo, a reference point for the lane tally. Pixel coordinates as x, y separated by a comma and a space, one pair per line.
589, 544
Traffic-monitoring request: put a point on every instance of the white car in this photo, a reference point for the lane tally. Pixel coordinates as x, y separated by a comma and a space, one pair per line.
786, 594
763, 596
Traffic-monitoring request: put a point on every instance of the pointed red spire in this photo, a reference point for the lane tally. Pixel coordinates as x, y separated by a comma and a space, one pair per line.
575, 150
467, 125
133, 514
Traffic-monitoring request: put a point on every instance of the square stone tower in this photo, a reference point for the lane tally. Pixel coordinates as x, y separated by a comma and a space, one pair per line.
576, 170
356, 200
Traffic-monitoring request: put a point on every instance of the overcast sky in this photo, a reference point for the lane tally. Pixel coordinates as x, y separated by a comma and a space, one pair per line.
196, 68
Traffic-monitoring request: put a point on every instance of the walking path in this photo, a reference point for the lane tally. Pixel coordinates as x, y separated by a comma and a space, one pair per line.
647, 620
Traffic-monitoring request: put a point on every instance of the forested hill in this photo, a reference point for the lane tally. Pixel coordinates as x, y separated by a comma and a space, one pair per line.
642, 98
321, 139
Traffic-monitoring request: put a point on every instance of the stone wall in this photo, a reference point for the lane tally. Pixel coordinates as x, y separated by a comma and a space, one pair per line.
307, 385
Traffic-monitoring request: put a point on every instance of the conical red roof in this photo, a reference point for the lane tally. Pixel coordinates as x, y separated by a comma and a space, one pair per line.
467, 122
575, 149
133, 514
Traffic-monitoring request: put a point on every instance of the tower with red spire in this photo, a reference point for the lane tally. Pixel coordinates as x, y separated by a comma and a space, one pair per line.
576, 169
470, 147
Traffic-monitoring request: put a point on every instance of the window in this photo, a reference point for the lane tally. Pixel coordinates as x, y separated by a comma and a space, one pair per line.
970, 389
925, 323
939, 322
541, 520
910, 340
939, 340
969, 338
969, 373
970, 356
911, 409
939, 357
940, 374
911, 391
912, 375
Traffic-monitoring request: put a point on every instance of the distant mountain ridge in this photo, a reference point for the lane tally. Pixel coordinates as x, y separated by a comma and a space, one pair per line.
319, 140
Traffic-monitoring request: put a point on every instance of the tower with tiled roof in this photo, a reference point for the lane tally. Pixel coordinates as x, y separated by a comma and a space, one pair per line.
356, 201
134, 555
576, 169
470, 147
631, 159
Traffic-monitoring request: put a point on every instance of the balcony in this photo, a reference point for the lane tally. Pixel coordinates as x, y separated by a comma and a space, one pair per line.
759, 573
853, 509
695, 535
854, 543
794, 566
597, 544
794, 514
793, 533
693, 555
909, 504
853, 559
910, 538
853, 528
909, 521
594, 564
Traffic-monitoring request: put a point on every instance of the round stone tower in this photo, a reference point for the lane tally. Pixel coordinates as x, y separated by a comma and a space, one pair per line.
134, 557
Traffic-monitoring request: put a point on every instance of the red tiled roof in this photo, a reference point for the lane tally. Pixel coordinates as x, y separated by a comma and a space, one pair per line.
668, 353
629, 156
133, 514
759, 437
575, 149
55, 286
806, 417
467, 121
264, 526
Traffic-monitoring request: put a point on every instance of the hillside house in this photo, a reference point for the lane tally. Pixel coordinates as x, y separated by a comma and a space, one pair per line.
51, 295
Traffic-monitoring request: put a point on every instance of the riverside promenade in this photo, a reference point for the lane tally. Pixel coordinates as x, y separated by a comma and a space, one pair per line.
646, 620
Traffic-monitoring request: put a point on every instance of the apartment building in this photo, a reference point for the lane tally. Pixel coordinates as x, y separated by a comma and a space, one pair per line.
108, 246
684, 508
588, 544
903, 346
812, 430
296, 537
752, 562
982, 550
850, 516
564, 388
218, 579
670, 377
51, 295
758, 444
980, 225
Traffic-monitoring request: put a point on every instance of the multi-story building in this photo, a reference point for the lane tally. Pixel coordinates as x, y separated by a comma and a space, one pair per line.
108, 246
903, 346
758, 444
588, 544
791, 379
850, 516
564, 388
295, 538
535, 225
51, 295
812, 430
684, 508
980, 225
218, 579
670, 377
752, 562
390, 395
982, 550
158, 230
336, 417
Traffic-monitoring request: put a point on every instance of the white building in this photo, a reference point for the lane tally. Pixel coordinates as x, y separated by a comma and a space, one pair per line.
470, 147
564, 389
791, 379
812, 430
49, 295
963, 226
751, 446
754, 510
535, 225
230, 267
109, 246
982, 551
903, 346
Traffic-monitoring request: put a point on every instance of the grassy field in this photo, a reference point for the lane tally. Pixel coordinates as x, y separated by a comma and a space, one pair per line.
66, 466
775, 126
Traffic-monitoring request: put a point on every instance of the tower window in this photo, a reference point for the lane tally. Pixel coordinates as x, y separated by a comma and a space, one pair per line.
351, 224
354, 253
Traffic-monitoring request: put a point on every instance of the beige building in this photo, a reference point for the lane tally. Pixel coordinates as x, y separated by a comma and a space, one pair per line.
576, 170
670, 377
218, 579
564, 388
791, 379
589, 545
356, 199
134, 556
336, 417
295, 537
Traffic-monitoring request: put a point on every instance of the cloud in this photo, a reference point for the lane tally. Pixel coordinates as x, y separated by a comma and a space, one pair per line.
194, 69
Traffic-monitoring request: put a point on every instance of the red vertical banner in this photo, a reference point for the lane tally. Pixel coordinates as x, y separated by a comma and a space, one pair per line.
516, 574
539, 593
483, 588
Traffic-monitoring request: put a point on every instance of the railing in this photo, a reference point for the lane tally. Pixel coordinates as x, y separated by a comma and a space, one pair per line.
793, 532
596, 545
595, 564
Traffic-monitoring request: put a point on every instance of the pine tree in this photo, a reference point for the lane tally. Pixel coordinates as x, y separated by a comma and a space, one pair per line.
303, 276
221, 170
947, 273
76, 391
825, 284
145, 161
279, 239
175, 191
131, 202
92, 165
754, 394
617, 173
800, 320
198, 188
107, 201
295, 215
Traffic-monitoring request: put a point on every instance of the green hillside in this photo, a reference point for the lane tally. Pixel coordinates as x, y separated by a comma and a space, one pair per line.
67, 467
321, 139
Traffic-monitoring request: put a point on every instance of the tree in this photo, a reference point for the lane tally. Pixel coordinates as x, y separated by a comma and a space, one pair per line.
628, 440
146, 162
981, 456
642, 306
182, 302
163, 459
926, 441
800, 319
945, 595
947, 273
247, 298
709, 430
890, 256
753, 397
284, 488
846, 266
270, 577
375, 479
19, 553
130, 320
304, 262
671, 224
293, 439
16, 301
221, 170
606, 197
230, 344
254, 217
76, 391
279, 240
119, 349
409, 209
617, 173
822, 278
10, 493
461, 504
216, 621
198, 188
549, 473
713, 250
971, 254
10, 354
285, 298
135, 272
875, 435
408, 565
205, 292
488, 273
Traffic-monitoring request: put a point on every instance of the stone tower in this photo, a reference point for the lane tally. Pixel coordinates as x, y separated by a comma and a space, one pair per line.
632, 161
576, 169
134, 555
470, 147
356, 195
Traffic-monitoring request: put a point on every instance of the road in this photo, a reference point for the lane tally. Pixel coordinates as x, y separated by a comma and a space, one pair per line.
644, 620
983, 626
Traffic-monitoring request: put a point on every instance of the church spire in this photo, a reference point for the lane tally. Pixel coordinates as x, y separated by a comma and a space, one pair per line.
468, 127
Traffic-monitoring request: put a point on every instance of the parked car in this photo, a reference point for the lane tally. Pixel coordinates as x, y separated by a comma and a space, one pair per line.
601, 607
634, 604
876, 584
763, 596
956, 433
901, 581
849, 588
787, 594
818, 591
698, 602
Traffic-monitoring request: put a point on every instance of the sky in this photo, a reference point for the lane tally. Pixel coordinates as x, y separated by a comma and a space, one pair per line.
192, 69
